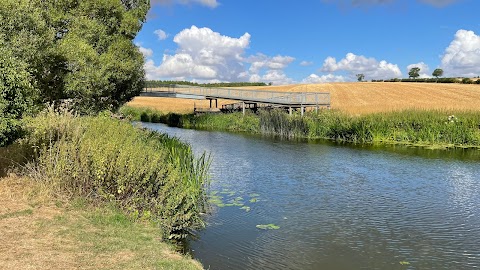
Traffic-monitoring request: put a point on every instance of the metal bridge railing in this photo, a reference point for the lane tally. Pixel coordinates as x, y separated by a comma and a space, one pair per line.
260, 96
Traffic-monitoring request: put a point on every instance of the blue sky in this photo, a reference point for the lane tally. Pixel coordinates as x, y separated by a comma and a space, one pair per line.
309, 41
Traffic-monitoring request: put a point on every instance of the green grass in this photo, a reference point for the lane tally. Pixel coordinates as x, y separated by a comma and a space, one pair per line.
434, 129
149, 175
106, 238
26, 212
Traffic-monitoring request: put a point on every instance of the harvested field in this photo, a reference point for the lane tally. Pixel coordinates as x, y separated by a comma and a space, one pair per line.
356, 98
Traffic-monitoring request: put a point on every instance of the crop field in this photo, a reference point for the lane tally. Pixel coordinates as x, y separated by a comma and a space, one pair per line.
356, 98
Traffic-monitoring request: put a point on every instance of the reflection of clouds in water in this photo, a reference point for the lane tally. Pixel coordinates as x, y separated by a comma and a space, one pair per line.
465, 186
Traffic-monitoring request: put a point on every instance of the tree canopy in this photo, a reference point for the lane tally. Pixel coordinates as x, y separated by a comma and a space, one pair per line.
78, 50
414, 72
15, 95
437, 73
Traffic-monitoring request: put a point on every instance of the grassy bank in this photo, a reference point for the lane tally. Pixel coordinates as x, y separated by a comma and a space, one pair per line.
148, 175
43, 231
433, 128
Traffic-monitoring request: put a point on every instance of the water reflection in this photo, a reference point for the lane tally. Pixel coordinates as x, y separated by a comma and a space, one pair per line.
339, 207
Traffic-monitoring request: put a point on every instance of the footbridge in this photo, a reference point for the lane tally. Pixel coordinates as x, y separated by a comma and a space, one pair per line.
288, 100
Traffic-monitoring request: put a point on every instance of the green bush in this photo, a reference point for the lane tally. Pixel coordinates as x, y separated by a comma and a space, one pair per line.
467, 81
16, 96
147, 174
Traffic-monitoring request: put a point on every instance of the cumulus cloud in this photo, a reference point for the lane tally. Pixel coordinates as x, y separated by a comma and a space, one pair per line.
314, 78
261, 61
202, 54
145, 51
208, 3
161, 34
276, 77
355, 64
462, 56
306, 63
205, 55
424, 69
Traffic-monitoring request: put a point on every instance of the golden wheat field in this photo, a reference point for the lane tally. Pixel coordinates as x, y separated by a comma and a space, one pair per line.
356, 98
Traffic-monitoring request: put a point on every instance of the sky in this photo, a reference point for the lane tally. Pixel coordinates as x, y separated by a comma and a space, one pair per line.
309, 41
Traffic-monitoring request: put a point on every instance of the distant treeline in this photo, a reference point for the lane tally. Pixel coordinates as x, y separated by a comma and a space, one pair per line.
434, 80
153, 84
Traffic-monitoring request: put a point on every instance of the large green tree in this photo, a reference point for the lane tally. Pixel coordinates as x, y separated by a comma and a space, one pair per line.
80, 50
414, 72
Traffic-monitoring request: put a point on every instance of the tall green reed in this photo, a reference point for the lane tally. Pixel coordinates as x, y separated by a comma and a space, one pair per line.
148, 174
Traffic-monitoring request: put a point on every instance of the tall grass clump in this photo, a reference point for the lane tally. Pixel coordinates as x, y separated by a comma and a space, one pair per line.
235, 122
147, 174
276, 122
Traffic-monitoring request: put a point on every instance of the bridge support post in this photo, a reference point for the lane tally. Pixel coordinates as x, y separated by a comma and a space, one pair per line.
210, 103
302, 109
216, 103
243, 107
290, 110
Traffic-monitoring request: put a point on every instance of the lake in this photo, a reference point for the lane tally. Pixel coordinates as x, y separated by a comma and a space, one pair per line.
336, 206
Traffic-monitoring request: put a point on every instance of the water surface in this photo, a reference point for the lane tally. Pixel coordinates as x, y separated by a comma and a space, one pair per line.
337, 206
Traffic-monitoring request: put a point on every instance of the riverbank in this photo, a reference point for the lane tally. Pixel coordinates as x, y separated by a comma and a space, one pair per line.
136, 187
426, 128
43, 231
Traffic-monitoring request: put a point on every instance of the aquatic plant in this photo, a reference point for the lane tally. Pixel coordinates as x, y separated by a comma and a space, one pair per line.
268, 227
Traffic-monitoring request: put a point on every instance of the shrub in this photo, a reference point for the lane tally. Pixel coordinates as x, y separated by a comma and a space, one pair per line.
146, 173
467, 81
16, 96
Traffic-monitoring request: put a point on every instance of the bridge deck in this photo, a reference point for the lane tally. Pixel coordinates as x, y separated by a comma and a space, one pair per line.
288, 99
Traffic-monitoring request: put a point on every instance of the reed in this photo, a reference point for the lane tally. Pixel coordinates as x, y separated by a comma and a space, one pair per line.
147, 174
443, 128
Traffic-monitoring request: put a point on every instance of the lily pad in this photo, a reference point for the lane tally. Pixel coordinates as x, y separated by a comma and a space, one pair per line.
254, 195
404, 263
246, 208
268, 226
253, 200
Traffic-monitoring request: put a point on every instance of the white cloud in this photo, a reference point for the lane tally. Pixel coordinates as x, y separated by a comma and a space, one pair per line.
370, 67
261, 61
313, 78
306, 63
462, 57
145, 51
208, 3
424, 69
161, 34
202, 54
276, 77
205, 55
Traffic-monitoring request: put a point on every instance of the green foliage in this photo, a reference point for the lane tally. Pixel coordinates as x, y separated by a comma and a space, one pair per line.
360, 77
414, 72
467, 81
437, 73
99, 158
15, 96
77, 50
415, 127
277, 122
